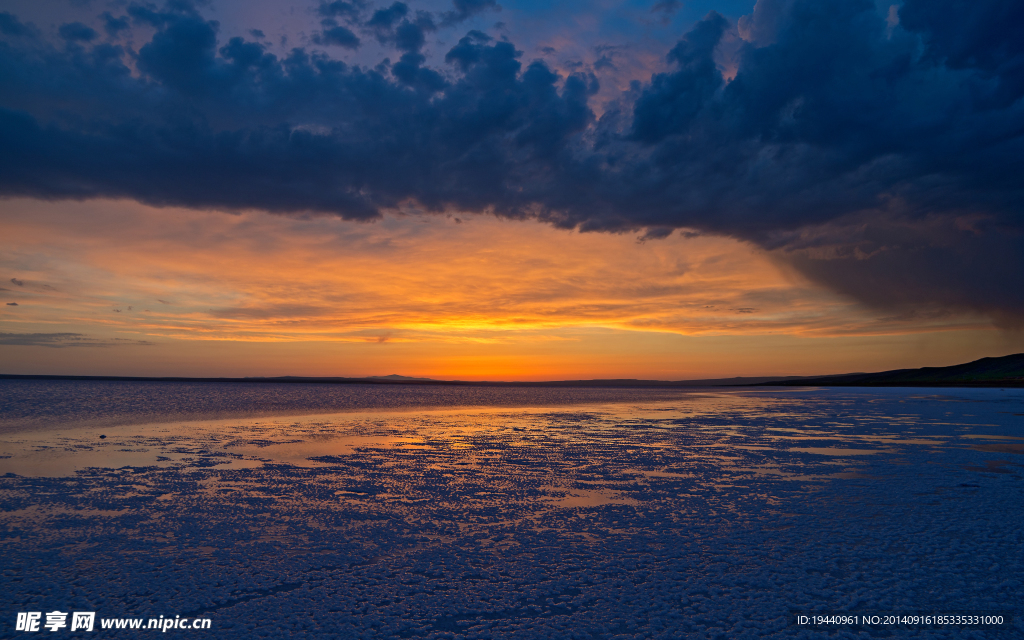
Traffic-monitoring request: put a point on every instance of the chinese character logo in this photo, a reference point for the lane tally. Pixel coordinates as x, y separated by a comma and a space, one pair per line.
56, 620
82, 620
28, 621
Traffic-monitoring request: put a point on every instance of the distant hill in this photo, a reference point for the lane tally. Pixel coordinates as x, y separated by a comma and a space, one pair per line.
1007, 371
633, 382
394, 377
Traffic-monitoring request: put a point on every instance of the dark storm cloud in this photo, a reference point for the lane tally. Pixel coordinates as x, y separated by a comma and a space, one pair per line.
10, 25
878, 153
341, 9
77, 31
113, 26
399, 27
335, 34
655, 233
909, 264
396, 25
387, 18
466, 9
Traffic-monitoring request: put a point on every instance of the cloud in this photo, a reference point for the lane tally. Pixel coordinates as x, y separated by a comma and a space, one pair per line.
902, 263
667, 9
60, 340
466, 9
10, 25
114, 26
77, 31
387, 18
837, 120
20, 283
398, 27
340, 8
336, 34
655, 233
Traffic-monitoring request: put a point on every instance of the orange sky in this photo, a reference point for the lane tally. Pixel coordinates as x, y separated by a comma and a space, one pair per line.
181, 292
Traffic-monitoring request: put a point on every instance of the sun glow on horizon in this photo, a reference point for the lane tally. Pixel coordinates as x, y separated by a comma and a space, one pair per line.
457, 297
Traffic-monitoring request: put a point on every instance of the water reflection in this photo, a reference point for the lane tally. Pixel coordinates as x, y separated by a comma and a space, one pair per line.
487, 520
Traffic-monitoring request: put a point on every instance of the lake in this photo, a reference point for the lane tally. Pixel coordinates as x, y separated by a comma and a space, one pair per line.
394, 511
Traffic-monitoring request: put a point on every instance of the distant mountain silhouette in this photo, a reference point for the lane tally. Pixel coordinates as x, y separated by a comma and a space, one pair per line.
1007, 371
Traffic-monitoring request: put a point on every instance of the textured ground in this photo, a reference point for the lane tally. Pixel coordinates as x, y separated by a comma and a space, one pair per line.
715, 515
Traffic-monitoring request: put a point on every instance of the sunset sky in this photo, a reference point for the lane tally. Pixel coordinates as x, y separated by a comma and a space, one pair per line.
509, 191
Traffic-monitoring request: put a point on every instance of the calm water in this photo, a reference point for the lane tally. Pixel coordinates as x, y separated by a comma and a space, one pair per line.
460, 512
46, 403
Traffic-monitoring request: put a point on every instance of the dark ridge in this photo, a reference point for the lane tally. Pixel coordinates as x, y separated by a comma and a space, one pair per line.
1007, 371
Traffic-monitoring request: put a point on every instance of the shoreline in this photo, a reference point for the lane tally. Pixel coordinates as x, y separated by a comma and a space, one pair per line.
839, 380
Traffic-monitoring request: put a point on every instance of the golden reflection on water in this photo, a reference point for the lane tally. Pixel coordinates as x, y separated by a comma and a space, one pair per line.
723, 432
710, 492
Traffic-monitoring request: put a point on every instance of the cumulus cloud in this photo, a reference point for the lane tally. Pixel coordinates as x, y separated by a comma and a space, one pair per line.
114, 26
877, 156
11, 26
77, 31
336, 34
465, 9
